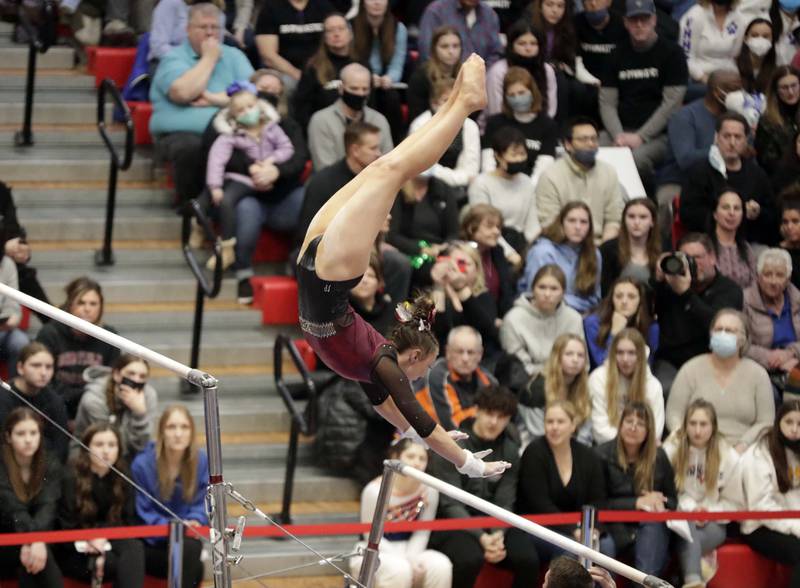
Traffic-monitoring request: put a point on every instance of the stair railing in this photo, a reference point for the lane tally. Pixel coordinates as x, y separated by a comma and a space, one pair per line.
39, 41
105, 256
205, 289
302, 421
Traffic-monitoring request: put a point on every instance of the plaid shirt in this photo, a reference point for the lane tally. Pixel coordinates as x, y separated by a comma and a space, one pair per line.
483, 38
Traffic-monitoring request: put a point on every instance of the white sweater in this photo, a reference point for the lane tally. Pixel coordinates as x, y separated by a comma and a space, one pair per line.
468, 164
707, 47
515, 197
602, 428
694, 494
759, 486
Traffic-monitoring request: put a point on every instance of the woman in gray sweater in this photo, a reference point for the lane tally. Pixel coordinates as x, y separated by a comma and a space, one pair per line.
533, 323
120, 396
737, 387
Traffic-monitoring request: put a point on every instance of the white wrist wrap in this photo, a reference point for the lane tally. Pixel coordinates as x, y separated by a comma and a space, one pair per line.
473, 467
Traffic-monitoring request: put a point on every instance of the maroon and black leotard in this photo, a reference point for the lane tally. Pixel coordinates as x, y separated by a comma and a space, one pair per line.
349, 345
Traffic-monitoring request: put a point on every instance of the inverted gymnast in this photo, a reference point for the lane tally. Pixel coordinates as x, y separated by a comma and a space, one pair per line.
334, 256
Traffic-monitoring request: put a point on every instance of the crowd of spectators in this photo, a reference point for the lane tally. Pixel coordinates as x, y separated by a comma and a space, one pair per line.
635, 353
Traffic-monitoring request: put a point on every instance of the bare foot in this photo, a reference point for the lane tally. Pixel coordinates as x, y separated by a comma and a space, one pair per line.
471, 83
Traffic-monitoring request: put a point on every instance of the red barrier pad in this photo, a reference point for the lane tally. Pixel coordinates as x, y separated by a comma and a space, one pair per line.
111, 62
272, 247
141, 113
276, 296
308, 355
741, 566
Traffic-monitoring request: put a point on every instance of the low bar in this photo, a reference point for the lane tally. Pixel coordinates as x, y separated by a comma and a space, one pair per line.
515, 520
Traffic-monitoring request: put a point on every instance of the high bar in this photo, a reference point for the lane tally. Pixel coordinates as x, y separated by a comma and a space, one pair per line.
194, 376
528, 526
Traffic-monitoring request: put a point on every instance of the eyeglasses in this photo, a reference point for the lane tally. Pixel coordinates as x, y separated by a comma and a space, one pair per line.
208, 28
634, 424
585, 139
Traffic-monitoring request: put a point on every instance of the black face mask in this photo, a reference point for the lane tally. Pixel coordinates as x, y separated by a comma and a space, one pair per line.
518, 167
353, 101
131, 384
520, 61
271, 98
793, 445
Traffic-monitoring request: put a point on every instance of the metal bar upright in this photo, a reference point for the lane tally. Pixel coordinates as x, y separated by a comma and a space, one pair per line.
217, 491
288, 479
175, 561
370, 562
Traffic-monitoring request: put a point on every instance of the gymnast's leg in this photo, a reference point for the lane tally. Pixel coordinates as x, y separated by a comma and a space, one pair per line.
351, 219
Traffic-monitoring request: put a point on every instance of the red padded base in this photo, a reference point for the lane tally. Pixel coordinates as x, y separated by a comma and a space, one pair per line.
276, 296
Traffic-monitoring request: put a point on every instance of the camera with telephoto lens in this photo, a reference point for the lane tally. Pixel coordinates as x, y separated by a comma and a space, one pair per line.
674, 264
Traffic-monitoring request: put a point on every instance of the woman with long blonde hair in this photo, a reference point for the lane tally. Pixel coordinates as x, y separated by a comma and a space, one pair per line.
639, 477
174, 469
564, 378
624, 377
703, 462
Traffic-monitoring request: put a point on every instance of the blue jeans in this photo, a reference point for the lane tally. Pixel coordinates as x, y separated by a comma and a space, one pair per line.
652, 548
11, 343
252, 214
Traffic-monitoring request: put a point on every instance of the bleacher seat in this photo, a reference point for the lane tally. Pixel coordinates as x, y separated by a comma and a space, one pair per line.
306, 353
141, 113
110, 62
272, 247
741, 566
276, 296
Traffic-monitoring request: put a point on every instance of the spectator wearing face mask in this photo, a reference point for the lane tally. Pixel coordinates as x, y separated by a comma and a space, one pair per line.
786, 22
523, 49
327, 126
121, 396
523, 109
252, 127
756, 60
737, 387
579, 176
509, 189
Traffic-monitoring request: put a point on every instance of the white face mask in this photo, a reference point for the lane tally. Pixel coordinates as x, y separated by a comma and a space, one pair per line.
759, 46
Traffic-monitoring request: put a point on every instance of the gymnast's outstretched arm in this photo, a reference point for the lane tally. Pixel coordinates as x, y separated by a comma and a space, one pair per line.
393, 398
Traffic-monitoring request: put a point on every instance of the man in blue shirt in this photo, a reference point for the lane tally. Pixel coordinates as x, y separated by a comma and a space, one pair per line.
187, 91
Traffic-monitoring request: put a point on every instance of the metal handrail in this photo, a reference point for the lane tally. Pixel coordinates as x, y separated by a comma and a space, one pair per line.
105, 256
195, 210
36, 44
205, 289
302, 422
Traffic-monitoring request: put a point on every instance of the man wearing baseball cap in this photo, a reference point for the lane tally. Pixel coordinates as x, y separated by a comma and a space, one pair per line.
645, 84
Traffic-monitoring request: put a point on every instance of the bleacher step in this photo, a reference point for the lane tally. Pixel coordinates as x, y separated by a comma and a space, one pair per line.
88, 223
16, 57
50, 80
83, 112
69, 169
91, 195
67, 136
265, 483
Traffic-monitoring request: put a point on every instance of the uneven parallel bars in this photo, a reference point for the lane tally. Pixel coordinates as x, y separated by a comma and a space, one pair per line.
528, 526
217, 491
192, 375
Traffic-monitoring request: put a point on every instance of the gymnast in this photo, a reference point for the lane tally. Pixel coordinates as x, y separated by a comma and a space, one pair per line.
334, 256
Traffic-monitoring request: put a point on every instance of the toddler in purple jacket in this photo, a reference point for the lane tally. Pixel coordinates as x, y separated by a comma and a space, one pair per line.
252, 127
